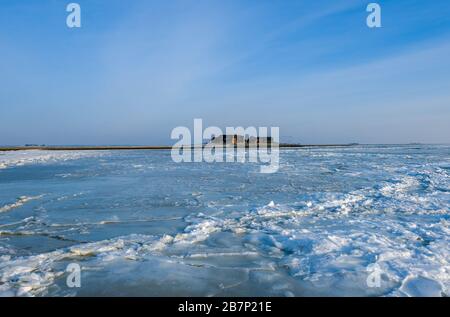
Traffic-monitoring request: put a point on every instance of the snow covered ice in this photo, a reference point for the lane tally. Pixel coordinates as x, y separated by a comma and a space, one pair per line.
140, 224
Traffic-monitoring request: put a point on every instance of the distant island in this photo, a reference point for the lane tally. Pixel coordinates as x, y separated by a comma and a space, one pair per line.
141, 147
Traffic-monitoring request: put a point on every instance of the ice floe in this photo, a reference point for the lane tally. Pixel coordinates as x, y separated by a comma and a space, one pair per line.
19, 202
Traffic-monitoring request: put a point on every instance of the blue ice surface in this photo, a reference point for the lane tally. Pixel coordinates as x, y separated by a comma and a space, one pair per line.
351, 221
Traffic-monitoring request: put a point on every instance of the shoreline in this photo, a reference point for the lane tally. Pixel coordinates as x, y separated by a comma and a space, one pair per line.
137, 147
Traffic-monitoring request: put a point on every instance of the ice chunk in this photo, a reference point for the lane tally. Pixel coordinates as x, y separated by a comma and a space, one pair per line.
419, 286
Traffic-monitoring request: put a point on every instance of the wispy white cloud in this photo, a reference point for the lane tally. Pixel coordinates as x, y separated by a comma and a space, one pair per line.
311, 68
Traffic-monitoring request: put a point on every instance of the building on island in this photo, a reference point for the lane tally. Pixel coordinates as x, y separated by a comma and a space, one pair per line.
236, 140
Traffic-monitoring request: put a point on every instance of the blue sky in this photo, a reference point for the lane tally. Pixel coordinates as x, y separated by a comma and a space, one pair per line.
137, 69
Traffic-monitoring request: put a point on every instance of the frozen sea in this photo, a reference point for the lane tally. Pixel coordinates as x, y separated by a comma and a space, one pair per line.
355, 221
